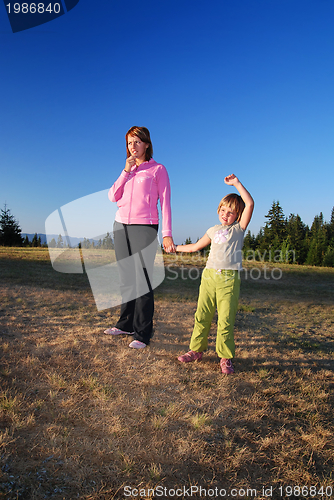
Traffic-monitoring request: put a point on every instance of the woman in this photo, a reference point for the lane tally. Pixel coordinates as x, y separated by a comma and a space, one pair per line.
137, 190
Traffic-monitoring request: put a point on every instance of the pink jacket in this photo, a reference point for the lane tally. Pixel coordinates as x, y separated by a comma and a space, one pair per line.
137, 192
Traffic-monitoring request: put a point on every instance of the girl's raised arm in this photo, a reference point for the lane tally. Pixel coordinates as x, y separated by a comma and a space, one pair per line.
246, 216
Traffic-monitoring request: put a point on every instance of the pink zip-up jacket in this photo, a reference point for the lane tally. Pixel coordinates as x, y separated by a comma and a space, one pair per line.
137, 193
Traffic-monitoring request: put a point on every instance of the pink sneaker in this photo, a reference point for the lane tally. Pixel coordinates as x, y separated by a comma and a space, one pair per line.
136, 344
226, 366
190, 356
116, 331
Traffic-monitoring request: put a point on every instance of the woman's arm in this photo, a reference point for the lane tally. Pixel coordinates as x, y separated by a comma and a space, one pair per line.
116, 191
194, 247
166, 211
164, 195
246, 216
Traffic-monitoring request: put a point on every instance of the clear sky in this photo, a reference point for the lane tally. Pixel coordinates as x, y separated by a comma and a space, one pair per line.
224, 86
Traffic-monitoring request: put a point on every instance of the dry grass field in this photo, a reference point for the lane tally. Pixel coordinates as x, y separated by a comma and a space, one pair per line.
83, 416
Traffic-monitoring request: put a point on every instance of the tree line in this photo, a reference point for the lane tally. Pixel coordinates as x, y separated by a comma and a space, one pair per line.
11, 236
106, 243
288, 239
282, 239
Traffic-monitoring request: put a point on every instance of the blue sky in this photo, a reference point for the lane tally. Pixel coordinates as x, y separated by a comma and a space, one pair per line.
227, 86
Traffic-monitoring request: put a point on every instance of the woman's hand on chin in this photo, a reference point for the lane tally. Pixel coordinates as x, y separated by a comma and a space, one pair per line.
130, 162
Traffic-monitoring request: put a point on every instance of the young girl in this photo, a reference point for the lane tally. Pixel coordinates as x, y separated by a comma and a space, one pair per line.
220, 282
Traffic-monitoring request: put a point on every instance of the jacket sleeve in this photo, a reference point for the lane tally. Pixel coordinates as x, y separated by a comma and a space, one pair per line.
164, 196
116, 190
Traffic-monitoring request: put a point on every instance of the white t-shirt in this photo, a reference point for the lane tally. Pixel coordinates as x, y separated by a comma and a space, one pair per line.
226, 247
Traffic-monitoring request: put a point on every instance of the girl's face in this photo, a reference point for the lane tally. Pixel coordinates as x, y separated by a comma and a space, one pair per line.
227, 215
136, 147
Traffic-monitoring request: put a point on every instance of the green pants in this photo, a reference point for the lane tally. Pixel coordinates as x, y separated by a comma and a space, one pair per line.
219, 289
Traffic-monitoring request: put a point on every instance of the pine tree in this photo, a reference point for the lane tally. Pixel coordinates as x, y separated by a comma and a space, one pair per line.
296, 232
331, 229
26, 242
317, 224
34, 241
276, 225
85, 243
249, 246
328, 260
10, 231
107, 242
318, 242
60, 242
274, 233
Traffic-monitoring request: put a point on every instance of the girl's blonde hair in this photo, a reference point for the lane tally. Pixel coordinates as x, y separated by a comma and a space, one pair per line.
233, 201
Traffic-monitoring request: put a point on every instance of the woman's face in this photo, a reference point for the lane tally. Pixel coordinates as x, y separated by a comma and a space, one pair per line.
136, 147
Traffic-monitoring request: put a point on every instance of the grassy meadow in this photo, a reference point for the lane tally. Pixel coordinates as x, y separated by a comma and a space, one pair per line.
83, 416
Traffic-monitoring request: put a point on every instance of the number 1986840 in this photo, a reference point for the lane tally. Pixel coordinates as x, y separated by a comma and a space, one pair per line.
306, 491
33, 8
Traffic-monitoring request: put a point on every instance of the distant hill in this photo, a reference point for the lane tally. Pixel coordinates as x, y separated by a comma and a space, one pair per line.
74, 241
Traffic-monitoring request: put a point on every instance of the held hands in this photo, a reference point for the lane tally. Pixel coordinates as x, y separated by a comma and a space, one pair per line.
168, 244
231, 180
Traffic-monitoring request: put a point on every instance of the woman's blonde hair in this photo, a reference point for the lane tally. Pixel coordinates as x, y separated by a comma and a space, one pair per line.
233, 201
144, 135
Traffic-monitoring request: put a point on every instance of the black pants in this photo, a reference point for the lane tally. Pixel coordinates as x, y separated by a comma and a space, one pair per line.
140, 242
